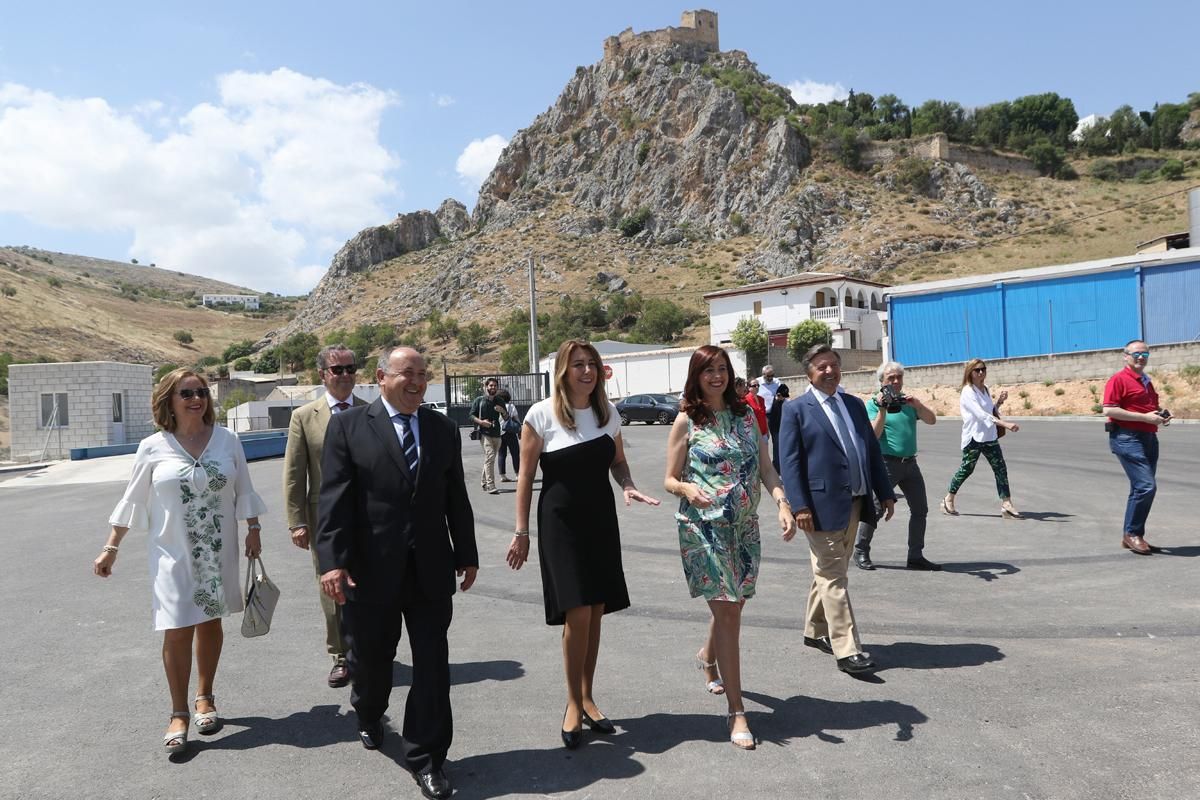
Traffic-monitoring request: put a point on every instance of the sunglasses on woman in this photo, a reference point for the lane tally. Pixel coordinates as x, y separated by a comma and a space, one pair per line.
338, 369
980, 369
188, 394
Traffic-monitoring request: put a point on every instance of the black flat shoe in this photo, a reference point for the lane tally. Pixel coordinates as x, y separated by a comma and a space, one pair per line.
603, 725
923, 564
434, 784
572, 739
859, 662
821, 643
371, 735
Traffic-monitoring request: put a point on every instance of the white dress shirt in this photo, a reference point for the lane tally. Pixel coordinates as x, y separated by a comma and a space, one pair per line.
416, 429
828, 408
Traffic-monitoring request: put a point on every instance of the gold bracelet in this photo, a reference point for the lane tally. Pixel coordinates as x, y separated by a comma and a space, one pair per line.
109, 548
521, 533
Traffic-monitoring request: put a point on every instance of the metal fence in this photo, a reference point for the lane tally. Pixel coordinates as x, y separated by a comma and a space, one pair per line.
461, 390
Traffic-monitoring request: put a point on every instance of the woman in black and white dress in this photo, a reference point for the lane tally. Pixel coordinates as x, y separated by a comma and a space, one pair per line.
576, 437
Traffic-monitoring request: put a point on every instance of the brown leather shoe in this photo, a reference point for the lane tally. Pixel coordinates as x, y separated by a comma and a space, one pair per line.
1135, 543
339, 676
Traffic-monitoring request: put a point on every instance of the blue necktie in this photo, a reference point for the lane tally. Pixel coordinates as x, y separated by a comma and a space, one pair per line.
408, 442
856, 476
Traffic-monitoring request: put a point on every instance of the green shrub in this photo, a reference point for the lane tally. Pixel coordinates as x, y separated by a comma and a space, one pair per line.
242, 364
163, 369
1059, 392
804, 335
750, 337
267, 362
1172, 170
183, 337
55, 283
738, 223
913, 175
236, 350
643, 152
8, 291
635, 223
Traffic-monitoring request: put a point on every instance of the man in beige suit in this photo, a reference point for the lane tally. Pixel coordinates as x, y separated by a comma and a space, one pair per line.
302, 478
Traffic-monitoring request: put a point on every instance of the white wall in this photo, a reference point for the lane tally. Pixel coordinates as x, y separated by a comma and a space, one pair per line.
782, 311
651, 372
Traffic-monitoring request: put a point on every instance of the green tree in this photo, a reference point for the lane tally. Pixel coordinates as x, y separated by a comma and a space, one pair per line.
237, 350
661, 321
1166, 124
234, 398
441, 328
298, 351
163, 369
6, 358
806, 334
934, 116
472, 338
515, 358
183, 337
1048, 159
242, 364
267, 362
1041, 116
750, 337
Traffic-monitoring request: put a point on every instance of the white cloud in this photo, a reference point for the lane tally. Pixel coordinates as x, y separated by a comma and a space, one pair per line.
478, 158
250, 188
442, 100
808, 92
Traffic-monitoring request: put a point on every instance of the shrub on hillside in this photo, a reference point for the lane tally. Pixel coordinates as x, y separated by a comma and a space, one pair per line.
1172, 170
242, 364
183, 337
635, 223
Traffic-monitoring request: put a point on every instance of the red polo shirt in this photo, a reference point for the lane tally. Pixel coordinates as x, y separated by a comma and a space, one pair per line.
1126, 390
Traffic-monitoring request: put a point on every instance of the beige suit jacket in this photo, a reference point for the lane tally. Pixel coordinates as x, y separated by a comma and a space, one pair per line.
302, 461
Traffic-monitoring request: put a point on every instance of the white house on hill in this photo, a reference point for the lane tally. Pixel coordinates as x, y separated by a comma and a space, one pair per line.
852, 307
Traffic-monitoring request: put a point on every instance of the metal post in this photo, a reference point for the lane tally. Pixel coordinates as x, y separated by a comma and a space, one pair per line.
533, 327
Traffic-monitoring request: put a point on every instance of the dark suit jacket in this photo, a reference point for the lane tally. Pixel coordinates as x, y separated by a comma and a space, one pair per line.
371, 507
815, 469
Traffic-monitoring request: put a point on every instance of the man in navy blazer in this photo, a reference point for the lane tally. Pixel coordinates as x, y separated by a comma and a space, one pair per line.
395, 527
831, 467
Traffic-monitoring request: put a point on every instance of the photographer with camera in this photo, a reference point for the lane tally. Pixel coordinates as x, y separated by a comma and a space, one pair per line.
1134, 417
894, 418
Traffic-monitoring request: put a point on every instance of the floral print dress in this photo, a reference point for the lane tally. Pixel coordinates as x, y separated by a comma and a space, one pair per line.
190, 508
720, 544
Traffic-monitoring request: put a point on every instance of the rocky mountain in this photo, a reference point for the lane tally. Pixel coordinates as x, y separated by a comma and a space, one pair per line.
679, 169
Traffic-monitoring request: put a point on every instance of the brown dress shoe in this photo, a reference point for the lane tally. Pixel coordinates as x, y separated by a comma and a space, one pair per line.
339, 676
1135, 543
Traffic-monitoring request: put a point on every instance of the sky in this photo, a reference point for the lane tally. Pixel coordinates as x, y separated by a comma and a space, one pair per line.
248, 141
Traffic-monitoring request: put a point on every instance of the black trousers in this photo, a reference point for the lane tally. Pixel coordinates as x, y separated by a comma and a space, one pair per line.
373, 630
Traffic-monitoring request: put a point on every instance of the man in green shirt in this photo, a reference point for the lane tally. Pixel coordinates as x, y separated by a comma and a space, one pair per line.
894, 418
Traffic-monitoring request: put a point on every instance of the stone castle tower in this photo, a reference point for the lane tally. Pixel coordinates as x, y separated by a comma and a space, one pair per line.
697, 28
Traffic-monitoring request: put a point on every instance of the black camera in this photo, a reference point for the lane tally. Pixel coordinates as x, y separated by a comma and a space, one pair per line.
893, 399
1164, 413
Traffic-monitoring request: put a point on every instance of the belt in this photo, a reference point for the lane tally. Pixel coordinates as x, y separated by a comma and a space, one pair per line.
901, 459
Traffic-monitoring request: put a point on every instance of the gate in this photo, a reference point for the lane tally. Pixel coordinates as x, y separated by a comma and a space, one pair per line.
461, 390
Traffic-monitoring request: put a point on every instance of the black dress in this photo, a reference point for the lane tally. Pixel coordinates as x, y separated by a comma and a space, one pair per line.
579, 544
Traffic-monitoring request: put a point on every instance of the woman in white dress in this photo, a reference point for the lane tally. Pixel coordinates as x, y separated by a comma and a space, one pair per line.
189, 487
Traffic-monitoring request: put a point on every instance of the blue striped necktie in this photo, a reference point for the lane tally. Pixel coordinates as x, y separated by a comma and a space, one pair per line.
408, 442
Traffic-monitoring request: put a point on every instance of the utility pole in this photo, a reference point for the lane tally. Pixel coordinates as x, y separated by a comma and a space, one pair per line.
533, 326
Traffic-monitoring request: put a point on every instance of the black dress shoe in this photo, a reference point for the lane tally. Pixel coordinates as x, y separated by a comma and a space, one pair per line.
863, 560
603, 725
923, 564
572, 739
339, 676
855, 663
434, 784
371, 735
821, 643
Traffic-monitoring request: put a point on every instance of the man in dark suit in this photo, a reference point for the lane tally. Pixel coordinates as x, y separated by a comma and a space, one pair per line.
395, 527
831, 468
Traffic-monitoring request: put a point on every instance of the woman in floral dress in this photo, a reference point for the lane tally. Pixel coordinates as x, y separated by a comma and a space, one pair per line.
189, 486
715, 460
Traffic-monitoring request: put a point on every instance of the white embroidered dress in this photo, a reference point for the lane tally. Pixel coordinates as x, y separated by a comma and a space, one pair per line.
191, 508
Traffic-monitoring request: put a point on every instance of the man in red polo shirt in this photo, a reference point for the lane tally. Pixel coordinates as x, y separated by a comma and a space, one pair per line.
1134, 415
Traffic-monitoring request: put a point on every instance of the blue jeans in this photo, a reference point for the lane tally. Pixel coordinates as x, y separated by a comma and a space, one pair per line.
1138, 453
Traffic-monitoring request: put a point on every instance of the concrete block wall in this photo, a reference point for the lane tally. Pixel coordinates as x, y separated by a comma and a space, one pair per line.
89, 386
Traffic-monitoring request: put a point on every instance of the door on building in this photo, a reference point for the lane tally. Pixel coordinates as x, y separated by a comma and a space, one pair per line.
118, 418
853, 340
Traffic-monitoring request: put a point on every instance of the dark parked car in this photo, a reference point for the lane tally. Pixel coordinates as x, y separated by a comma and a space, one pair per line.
648, 408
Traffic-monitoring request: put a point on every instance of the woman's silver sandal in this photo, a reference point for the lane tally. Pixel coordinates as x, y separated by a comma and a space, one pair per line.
743, 740
716, 686
207, 721
177, 742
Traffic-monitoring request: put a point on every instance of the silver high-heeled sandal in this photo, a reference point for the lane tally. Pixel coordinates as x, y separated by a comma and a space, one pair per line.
1009, 511
743, 740
207, 721
177, 742
716, 686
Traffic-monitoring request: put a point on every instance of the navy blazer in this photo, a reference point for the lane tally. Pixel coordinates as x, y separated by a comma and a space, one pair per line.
371, 508
815, 469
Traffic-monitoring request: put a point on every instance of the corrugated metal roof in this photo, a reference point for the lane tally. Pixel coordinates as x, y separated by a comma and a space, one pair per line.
1056, 271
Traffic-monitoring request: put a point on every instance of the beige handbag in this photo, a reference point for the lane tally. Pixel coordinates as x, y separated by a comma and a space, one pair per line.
261, 596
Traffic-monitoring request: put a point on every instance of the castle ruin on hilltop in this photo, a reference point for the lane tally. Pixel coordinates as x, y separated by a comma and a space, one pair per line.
697, 28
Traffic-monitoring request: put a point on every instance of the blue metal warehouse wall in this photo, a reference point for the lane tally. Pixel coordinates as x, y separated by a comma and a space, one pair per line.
1055, 315
1171, 300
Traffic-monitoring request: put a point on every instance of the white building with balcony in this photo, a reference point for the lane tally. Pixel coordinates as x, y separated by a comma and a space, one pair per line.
249, 301
852, 307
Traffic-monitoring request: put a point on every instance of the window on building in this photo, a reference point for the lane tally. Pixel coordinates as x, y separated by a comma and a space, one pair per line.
757, 308
118, 407
853, 341
54, 410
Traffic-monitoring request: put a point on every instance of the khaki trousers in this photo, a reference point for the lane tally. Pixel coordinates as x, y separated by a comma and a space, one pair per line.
335, 645
491, 446
829, 612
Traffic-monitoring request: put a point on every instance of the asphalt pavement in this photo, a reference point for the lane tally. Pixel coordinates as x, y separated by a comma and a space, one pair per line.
1044, 662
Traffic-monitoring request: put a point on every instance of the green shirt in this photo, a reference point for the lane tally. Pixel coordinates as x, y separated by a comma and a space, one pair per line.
899, 438
484, 407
